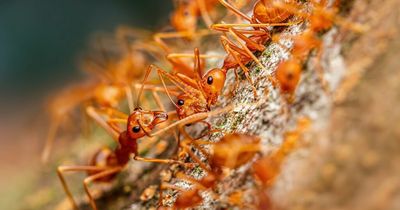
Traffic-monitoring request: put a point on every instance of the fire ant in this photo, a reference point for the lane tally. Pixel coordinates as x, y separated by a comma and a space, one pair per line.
231, 152
106, 87
106, 163
266, 169
264, 15
198, 93
72, 97
321, 18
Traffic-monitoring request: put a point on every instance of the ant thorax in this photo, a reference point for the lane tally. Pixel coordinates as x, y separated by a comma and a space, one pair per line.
189, 105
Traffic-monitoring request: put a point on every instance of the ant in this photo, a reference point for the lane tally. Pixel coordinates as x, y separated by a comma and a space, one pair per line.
231, 152
106, 89
321, 18
106, 163
266, 169
264, 15
184, 20
72, 97
198, 93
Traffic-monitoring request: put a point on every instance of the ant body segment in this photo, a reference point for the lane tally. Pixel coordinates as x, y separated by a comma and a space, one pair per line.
106, 163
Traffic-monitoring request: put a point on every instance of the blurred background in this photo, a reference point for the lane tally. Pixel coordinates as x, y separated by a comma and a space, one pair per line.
40, 45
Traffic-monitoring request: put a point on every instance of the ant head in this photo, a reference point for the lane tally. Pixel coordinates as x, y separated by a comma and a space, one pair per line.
188, 105
288, 74
213, 83
184, 18
140, 122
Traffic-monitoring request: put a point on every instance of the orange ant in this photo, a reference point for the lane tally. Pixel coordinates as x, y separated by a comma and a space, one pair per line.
106, 163
69, 99
268, 167
185, 19
264, 15
321, 18
198, 93
231, 152
105, 90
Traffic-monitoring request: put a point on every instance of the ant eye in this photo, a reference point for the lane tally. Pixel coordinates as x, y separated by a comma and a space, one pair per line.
210, 80
181, 102
136, 129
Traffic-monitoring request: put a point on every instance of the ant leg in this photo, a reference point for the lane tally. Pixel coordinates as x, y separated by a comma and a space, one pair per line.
234, 10
246, 49
233, 50
204, 13
194, 118
189, 55
100, 121
246, 73
62, 169
92, 178
172, 89
248, 41
113, 124
159, 37
50, 140
224, 27
184, 144
156, 160
251, 55
209, 130
160, 73
187, 149
178, 82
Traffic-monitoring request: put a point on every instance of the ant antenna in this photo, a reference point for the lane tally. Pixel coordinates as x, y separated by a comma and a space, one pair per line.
142, 87
128, 92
